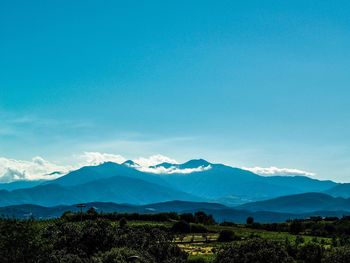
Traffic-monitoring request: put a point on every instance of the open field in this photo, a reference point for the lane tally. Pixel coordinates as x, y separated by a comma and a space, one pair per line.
206, 245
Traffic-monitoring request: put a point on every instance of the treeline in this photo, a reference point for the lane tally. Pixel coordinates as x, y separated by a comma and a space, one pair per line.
91, 241
103, 240
314, 226
91, 214
257, 250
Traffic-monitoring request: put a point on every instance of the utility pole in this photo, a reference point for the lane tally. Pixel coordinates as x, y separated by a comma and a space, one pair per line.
81, 206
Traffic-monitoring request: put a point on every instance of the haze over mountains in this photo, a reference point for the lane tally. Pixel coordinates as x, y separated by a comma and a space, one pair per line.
193, 181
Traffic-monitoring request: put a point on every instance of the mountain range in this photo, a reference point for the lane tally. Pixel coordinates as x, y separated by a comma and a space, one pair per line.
123, 183
300, 203
193, 181
220, 212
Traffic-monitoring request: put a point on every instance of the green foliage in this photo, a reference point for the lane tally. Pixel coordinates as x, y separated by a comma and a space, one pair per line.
198, 228
227, 236
337, 255
250, 220
90, 241
123, 222
203, 218
122, 255
181, 227
296, 227
100, 239
310, 252
20, 242
197, 260
253, 251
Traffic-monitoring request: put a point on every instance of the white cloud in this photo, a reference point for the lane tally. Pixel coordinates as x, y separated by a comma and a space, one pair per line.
96, 158
154, 160
173, 169
271, 171
37, 168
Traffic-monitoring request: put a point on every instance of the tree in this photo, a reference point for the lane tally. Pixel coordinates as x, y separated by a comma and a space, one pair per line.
188, 217
310, 252
92, 213
337, 255
123, 222
227, 236
250, 220
181, 227
19, 241
295, 227
202, 218
122, 255
253, 251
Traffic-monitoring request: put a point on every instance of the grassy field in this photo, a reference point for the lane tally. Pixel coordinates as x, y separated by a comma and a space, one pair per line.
205, 245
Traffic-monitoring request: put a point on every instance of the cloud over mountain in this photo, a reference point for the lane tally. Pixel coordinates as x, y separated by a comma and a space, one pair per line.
35, 169
95, 158
270, 171
154, 160
39, 168
173, 170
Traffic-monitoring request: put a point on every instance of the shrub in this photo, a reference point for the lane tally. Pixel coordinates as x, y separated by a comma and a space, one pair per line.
250, 220
337, 255
310, 252
121, 255
197, 228
227, 236
123, 222
253, 251
181, 227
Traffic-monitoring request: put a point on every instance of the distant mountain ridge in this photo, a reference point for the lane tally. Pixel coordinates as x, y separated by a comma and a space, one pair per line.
220, 212
235, 185
300, 203
127, 183
339, 190
20, 184
123, 189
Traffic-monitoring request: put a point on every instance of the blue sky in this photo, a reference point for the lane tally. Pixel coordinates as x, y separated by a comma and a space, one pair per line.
248, 83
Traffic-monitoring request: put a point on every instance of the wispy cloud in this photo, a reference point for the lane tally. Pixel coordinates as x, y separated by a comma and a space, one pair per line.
95, 158
154, 160
271, 171
40, 168
35, 169
173, 170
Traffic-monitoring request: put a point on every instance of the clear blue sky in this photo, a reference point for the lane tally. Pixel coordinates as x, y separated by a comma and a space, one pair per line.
249, 83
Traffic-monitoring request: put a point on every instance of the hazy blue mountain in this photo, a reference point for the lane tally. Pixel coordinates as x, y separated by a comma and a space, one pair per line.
340, 190
220, 212
111, 182
106, 170
37, 211
301, 203
164, 165
130, 163
235, 186
20, 184
113, 189
302, 183
179, 206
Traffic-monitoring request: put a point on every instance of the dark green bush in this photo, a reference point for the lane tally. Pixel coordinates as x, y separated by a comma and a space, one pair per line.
253, 251
227, 236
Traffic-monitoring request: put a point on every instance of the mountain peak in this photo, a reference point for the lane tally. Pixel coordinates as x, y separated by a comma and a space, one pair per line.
195, 163
130, 163
165, 165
